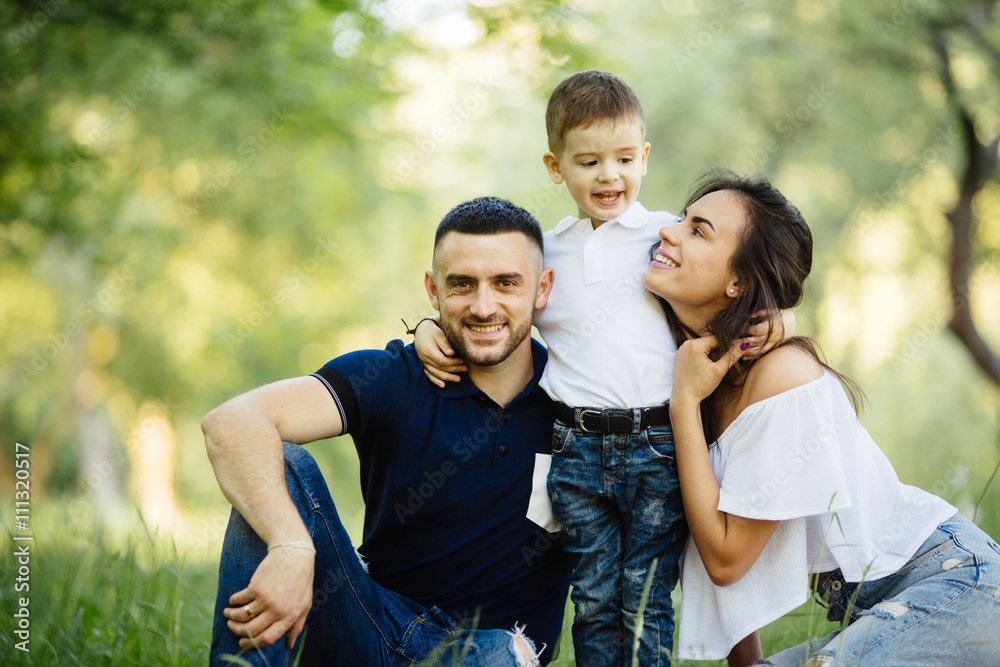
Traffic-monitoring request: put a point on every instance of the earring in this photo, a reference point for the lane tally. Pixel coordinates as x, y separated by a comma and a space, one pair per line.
732, 291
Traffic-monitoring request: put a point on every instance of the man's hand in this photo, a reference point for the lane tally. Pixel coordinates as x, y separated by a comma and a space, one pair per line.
435, 353
278, 599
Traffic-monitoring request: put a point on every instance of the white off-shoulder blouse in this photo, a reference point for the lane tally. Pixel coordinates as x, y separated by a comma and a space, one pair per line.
802, 458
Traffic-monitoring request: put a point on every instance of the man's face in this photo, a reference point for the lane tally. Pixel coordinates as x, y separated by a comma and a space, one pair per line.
487, 288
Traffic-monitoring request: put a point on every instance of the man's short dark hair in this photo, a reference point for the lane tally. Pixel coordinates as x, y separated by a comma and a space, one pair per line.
587, 98
487, 216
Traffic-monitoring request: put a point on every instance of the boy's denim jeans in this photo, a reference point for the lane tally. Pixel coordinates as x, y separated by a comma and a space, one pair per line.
941, 608
618, 499
353, 620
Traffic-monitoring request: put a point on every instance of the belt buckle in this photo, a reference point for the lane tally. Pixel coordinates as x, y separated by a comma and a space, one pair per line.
583, 427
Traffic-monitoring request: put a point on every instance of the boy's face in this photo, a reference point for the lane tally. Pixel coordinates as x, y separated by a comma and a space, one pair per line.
602, 166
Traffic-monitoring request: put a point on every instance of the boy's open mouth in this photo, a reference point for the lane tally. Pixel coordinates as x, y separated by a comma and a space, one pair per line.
608, 197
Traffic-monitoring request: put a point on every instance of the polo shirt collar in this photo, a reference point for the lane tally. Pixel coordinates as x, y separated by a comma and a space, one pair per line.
465, 387
633, 217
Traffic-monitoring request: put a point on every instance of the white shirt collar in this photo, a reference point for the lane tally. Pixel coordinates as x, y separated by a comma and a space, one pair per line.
634, 216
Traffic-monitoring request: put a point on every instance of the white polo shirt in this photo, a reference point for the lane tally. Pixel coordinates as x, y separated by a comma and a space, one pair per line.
609, 344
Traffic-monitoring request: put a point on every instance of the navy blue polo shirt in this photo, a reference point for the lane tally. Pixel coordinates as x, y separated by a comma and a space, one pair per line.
446, 477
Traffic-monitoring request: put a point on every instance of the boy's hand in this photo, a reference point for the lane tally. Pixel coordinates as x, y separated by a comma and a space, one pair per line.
435, 353
783, 322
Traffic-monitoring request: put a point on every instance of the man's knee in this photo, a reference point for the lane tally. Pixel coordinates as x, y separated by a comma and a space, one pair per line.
819, 661
523, 649
524, 653
297, 455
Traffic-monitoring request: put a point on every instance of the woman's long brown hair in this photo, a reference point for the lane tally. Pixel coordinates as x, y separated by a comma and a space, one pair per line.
773, 257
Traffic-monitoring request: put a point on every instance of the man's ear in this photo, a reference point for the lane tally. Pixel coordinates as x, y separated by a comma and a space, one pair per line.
552, 166
545, 283
432, 290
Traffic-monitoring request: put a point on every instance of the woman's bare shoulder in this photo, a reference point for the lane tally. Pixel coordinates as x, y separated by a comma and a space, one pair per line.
781, 369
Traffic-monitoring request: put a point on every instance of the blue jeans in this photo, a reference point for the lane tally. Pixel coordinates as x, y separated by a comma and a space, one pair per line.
941, 608
353, 620
618, 499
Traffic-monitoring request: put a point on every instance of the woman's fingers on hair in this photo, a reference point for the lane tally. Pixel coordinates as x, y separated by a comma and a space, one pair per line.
705, 343
736, 351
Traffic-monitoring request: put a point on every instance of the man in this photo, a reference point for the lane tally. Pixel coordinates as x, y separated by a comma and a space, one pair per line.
449, 479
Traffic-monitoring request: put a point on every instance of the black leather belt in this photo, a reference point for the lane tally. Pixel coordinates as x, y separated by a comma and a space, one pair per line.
612, 420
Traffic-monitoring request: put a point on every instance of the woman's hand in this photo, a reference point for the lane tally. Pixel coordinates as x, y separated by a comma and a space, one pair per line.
436, 355
695, 375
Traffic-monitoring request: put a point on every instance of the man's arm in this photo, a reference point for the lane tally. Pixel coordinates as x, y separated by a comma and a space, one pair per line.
243, 437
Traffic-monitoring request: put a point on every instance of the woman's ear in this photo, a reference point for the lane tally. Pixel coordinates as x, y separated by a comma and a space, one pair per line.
733, 289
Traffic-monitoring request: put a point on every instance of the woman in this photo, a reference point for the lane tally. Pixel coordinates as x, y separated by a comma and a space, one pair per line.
792, 490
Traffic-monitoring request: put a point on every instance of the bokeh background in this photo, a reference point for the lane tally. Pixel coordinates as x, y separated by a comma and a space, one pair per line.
198, 198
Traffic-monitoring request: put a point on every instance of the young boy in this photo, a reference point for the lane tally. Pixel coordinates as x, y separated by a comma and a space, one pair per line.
613, 480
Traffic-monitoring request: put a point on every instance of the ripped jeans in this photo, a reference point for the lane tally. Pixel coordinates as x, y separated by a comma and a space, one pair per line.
618, 498
941, 608
353, 620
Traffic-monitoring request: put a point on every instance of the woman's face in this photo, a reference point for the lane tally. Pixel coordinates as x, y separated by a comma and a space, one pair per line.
691, 268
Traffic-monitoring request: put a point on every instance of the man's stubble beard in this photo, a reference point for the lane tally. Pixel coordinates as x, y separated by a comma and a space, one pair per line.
455, 331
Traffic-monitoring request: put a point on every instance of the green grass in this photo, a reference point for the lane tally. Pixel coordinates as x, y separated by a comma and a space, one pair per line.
98, 597
129, 596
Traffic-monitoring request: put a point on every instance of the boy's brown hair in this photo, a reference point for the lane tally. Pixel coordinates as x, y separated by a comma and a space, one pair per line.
586, 98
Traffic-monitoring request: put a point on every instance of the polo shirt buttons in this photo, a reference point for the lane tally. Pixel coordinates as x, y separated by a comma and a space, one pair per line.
504, 450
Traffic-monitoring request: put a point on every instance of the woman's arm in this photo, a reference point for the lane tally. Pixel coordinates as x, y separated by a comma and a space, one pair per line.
728, 544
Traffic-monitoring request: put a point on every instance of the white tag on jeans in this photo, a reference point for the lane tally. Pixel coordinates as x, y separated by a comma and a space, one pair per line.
539, 507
